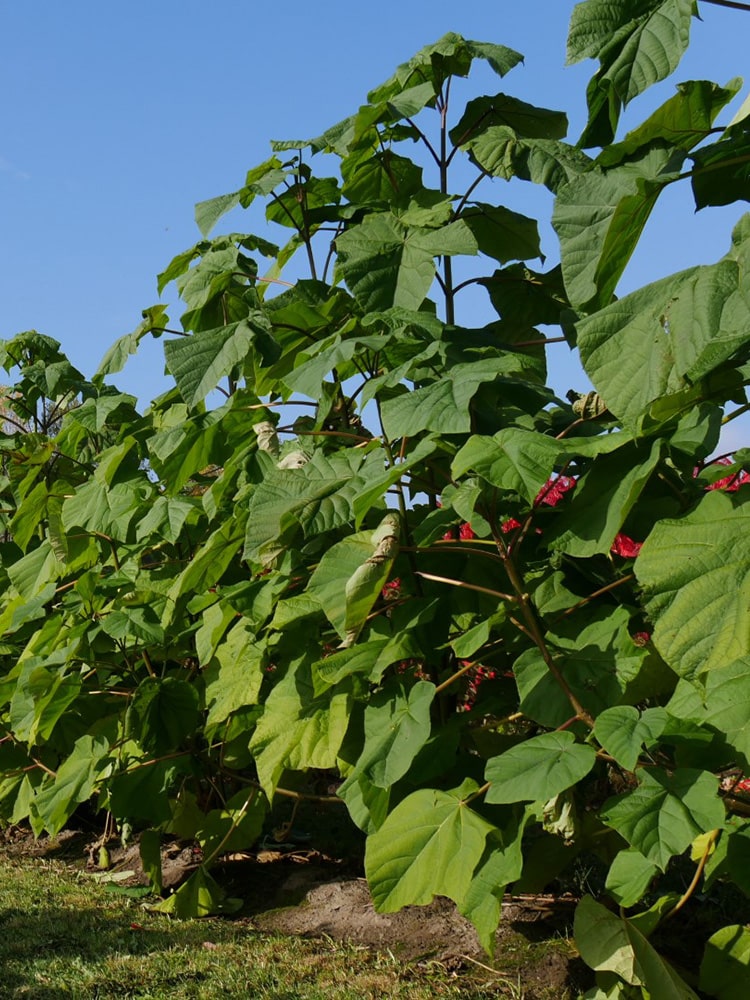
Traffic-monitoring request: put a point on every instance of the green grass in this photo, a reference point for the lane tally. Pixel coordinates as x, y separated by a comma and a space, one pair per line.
63, 935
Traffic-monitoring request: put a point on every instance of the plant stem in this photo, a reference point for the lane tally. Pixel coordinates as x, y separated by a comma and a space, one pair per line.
534, 631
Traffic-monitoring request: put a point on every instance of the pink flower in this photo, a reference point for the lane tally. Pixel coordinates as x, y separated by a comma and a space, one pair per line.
466, 533
626, 547
392, 590
641, 638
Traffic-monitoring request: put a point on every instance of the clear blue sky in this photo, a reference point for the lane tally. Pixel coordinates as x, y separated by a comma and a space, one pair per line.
117, 118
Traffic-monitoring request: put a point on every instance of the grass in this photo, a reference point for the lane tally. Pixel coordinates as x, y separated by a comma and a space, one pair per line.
63, 935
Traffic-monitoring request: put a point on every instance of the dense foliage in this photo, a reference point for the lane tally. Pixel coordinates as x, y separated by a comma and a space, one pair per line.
514, 626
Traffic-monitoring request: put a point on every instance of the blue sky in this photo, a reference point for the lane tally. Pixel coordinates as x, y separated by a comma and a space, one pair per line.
117, 118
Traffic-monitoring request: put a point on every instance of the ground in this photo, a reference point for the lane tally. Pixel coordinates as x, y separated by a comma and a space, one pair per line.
301, 891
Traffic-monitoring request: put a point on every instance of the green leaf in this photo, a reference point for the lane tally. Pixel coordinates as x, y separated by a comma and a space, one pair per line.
503, 153
198, 363
629, 876
298, 730
163, 713
235, 826
602, 499
429, 845
665, 337
207, 566
350, 576
144, 791
199, 896
103, 510
397, 726
602, 940
514, 459
315, 498
657, 975
386, 263
610, 943
683, 121
149, 848
444, 407
637, 43
599, 661
502, 864
727, 702
695, 579
622, 731
721, 174
725, 969
451, 55
74, 783
538, 768
154, 320
665, 813
40, 700
502, 234
524, 119
234, 677
599, 216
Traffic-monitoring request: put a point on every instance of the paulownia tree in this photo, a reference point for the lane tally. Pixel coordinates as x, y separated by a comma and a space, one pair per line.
513, 625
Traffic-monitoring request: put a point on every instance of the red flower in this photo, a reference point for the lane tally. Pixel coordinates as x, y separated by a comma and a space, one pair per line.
626, 547
729, 483
510, 525
392, 590
554, 490
641, 638
466, 533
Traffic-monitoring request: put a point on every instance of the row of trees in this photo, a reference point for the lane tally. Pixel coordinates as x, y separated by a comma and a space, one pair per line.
388, 507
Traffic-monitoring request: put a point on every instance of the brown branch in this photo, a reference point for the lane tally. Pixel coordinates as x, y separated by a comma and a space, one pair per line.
734, 4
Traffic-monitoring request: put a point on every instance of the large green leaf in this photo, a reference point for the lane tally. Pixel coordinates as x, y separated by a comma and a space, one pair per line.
444, 406
450, 55
163, 713
503, 153
598, 659
397, 726
599, 216
667, 336
629, 876
622, 731
234, 676
74, 783
297, 729
198, 363
429, 845
514, 459
666, 812
615, 944
538, 768
725, 969
501, 865
316, 497
154, 320
638, 42
350, 576
695, 575
602, 500
727, 700
386, 263
42, 695
722, 170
